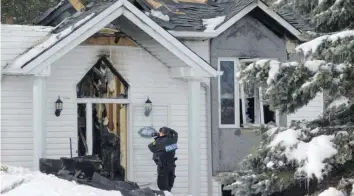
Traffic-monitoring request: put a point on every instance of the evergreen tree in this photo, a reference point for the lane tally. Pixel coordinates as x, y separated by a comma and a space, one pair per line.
309, 155
23, 11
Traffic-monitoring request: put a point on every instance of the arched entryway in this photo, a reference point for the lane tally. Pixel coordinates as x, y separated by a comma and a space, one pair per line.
102, 97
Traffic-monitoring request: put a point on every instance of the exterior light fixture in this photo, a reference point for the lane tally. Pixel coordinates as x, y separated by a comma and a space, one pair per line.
148, 107
58, 107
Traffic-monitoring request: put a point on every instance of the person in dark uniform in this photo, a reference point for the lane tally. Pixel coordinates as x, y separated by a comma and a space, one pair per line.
164, 148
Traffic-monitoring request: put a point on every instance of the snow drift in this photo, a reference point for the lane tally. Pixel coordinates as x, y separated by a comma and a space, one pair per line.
17, 181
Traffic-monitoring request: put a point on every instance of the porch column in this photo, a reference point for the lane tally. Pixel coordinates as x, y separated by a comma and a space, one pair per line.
39, 113
194, 137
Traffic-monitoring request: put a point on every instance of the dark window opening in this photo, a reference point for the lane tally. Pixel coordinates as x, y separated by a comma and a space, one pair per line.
100, 81
81, 113
225, 192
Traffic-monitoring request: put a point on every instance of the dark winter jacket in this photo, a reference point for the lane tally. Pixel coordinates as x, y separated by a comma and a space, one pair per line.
164, 148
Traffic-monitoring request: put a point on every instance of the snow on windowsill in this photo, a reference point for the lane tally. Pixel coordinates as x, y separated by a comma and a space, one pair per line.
51, 40
211, 23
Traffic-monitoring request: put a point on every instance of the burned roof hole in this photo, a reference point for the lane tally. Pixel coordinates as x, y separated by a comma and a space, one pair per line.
102, 81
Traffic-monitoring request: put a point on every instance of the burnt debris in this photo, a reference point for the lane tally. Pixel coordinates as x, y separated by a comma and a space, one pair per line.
89, 170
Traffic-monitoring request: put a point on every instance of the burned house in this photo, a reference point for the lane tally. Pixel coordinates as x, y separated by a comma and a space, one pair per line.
83, 72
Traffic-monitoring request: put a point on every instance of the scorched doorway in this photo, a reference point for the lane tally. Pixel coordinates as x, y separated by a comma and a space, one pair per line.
102, 117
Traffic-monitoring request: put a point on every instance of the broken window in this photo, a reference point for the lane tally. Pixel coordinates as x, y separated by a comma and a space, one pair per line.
240, 104
253, 103
101, 81
102, 122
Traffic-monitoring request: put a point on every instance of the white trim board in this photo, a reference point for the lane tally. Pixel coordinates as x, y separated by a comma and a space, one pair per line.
93, 25
237, 17
102, 100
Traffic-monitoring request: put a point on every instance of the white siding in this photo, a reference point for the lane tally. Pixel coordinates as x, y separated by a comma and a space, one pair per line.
147, 77
15, 39
16, 121
309, 112
201, 48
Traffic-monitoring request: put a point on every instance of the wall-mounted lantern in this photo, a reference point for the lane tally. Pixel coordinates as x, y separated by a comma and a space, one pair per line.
58, 107
148, 107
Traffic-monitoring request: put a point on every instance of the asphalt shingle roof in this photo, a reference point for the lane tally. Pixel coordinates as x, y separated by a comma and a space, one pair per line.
183, 15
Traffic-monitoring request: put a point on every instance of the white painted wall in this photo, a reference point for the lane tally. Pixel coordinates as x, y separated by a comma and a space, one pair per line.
16, 39
311, 111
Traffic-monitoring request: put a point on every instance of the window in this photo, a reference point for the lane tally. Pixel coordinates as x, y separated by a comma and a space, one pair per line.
240, 104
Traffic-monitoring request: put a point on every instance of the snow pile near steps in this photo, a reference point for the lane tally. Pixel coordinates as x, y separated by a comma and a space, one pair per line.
17, 181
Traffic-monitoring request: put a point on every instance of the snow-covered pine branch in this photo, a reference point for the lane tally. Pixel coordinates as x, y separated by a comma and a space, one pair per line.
289, 156
320, 152
292, 85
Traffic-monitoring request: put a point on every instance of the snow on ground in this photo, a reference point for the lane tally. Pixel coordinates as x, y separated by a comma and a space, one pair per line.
212, 23
331, 192
24, 182
309, 155
13, 176
36, 183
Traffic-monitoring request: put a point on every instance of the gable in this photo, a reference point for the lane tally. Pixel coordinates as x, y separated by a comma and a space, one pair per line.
248, 38
248, 30
79, 28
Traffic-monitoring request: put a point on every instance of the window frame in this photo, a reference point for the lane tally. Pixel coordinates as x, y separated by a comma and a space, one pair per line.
236, 96
238, 92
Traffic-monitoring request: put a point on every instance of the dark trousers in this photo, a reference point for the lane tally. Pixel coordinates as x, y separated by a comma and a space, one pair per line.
166, 177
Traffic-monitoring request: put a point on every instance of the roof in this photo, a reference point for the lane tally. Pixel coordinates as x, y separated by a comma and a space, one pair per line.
77, 28
180, 15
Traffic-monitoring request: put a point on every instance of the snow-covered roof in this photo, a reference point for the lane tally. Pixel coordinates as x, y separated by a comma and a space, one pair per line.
75, 29
16, 39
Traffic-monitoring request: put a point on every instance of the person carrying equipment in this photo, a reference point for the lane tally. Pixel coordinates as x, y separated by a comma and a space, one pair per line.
164, 149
